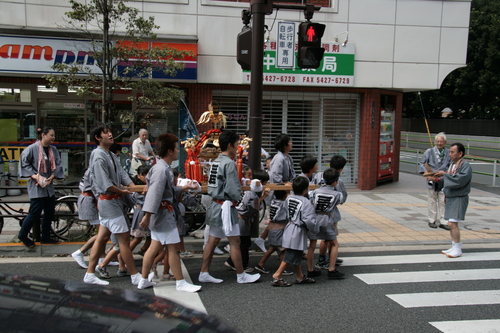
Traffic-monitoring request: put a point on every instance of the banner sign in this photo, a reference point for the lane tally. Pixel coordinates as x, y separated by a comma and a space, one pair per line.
37, 55
336, 69
285, 54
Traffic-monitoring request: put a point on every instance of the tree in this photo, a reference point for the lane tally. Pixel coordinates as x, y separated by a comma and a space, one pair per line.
116, 35
473, 91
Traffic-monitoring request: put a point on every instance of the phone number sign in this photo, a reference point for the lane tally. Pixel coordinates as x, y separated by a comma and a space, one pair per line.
336, 69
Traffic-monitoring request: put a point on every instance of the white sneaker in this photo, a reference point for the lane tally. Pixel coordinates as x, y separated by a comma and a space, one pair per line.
145, 283
205, 277
247, 278
90, 278
113, 263
449, 250
261, 244
227, 248
78, 256
136, 278
456, 251
182, 285
218, 251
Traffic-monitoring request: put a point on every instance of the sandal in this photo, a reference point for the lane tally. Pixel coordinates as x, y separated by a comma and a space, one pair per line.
167, 277
280, 283
305, 280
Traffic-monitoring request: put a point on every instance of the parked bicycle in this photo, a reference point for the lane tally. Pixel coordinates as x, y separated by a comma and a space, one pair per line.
66, 225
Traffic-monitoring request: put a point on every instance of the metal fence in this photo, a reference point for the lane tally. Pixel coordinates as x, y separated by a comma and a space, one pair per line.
484, 171
479, 127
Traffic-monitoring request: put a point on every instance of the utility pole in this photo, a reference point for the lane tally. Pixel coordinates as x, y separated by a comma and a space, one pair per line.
259, 9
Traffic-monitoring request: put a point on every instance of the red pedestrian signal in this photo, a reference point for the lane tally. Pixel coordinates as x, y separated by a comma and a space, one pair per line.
310, 52
310, 34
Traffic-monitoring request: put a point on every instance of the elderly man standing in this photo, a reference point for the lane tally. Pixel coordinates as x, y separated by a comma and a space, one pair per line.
438, 159
457, 184
141, 148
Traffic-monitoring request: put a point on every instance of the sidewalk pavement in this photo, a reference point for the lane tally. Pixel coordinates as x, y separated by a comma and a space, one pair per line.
391, 215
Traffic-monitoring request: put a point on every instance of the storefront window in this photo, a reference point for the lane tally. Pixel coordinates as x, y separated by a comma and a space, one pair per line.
68, 119
17, 125
320, 124
13, 95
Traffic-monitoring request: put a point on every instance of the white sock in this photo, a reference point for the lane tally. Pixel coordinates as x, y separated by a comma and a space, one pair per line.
205, 277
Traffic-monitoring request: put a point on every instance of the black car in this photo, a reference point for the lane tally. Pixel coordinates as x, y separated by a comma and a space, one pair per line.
36, 304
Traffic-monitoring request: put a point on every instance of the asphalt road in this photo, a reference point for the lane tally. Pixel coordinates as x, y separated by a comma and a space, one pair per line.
350, 305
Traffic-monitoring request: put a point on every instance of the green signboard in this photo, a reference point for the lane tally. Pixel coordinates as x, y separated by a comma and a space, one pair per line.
336, 69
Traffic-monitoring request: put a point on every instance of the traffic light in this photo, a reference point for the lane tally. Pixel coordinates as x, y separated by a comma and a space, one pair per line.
244, 48
310, 52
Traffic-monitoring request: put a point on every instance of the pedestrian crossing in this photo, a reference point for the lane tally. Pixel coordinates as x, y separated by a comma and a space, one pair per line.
470, 326
438, 299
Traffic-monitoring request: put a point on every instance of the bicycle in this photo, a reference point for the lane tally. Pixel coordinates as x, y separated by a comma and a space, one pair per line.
65, 225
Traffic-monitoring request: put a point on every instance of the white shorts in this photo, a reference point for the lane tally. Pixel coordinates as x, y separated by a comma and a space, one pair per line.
454, 220
117, 225
164, 235
94, 222
218, 232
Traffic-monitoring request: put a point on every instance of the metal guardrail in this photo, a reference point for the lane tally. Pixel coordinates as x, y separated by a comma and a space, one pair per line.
494, 175
468, 146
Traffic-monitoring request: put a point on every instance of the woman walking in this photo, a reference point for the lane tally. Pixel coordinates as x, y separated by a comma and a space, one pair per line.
41, 163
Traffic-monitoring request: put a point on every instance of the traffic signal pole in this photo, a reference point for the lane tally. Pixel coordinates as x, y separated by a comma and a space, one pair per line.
259, 9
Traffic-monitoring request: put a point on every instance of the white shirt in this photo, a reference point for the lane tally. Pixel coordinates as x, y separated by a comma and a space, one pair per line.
138, 147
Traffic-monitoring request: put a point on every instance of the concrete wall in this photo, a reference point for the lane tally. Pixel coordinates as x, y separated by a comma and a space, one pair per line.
407, 45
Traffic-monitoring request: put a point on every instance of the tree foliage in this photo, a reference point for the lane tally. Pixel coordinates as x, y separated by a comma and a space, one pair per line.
472, 92
118, 36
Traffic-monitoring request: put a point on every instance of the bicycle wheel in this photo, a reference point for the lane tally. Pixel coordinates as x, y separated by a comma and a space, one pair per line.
62, 220
66, 224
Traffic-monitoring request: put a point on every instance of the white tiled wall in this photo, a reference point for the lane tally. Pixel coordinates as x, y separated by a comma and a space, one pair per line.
400, 44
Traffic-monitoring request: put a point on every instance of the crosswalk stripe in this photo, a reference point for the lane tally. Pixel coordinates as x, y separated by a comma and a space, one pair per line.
419, 258
416, 300
468, 326
430, 276
167, 289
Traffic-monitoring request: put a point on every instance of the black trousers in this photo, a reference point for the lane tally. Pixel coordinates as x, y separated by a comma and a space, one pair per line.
245, 243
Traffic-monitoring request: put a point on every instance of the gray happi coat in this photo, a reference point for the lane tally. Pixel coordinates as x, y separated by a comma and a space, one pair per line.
431, 157
223, 184
160, 181
456, 189
28, 166
277, 215
325, 200
341, 188
106, 171
87, 206
316, 178
247, 210
138, 213
281, 169
301, 217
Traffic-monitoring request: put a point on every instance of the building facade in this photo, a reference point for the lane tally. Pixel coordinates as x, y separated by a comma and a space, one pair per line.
351, 105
